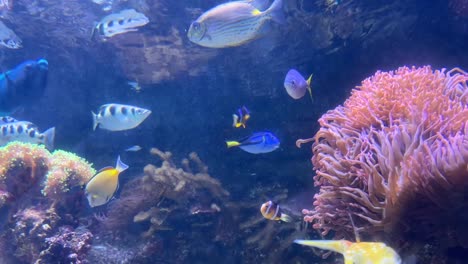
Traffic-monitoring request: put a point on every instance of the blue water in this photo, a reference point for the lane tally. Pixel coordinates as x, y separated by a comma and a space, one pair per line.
340, 42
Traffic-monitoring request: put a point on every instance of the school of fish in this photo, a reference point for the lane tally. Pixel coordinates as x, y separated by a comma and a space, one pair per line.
230, 24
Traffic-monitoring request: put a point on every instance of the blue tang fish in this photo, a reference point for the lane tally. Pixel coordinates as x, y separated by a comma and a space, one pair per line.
261, 142
296, 85
23, 85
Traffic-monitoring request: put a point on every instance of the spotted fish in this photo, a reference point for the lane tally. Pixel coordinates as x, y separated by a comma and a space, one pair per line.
127, 20
24, 131
118, 117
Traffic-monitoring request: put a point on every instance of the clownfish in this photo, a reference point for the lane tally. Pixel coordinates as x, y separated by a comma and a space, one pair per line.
272, 211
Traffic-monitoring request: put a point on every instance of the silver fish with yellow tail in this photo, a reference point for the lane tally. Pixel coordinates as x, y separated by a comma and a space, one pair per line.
232, 24
272, 211
102, 187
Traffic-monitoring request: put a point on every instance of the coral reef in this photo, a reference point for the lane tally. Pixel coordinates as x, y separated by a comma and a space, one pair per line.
37, 200
164, 191
395, 157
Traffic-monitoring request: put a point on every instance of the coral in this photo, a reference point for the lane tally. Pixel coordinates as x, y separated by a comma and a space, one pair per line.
163, 192
395, 157
67, 244
66, 170
36, 199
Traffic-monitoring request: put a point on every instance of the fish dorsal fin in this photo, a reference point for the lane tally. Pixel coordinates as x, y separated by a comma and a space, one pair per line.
105, 168
356, 233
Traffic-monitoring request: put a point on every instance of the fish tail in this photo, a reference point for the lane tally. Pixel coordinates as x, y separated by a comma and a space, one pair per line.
231, 144
286, 218
95, 120
275, 12
309, 86
49, 136
120, 166
333, 245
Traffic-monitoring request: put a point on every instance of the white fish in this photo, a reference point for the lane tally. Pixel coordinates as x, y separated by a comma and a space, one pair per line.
118, 117
232, 24
8, 38
134, 148
127, 20
25, 131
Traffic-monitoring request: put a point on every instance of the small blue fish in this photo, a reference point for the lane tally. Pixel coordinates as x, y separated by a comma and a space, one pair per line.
296, 85
261, 142
240, 119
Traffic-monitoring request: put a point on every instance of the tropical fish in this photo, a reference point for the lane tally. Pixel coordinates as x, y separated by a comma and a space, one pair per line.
240, 119
106, 4
8, 38
134, 148
102, 186
127, 20
261, 142
272, 211
357, 252
23, 85
232, 24
24, 131
118, 117
296, 85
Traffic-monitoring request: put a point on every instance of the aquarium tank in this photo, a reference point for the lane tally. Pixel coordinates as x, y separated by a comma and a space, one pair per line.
243, 131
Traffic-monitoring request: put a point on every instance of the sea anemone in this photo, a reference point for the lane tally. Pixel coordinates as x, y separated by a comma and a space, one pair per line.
395, 157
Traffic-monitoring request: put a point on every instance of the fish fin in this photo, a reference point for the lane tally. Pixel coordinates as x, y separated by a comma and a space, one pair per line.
120, 166
235, 119
286, 218
49, 136
309, 83
333, 245
275, 12
95, 120
231, 144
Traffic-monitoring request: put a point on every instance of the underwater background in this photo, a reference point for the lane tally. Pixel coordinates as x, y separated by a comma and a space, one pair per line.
192, 92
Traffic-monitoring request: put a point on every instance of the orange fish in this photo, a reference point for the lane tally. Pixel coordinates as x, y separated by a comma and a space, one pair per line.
272, 211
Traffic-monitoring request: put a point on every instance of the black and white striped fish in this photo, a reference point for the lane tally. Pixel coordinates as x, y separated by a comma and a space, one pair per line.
24, 131
117, 117
233, 23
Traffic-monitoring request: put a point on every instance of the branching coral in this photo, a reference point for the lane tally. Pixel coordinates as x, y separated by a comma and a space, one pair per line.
162, 192
395, 156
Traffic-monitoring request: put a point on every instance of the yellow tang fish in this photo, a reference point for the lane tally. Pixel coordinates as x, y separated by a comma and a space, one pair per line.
232, 24
101, 188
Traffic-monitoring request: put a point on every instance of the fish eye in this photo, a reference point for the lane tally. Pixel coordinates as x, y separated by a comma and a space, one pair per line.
196, 25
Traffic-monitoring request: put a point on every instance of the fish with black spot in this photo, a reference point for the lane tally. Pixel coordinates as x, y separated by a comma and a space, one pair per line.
24, 131
272, 211
118, 117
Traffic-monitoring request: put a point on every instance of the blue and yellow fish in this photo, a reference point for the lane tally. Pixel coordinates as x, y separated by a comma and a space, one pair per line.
261, 142
240, 118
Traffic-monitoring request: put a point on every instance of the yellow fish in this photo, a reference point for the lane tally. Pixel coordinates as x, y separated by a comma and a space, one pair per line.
101, 188
357, 252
